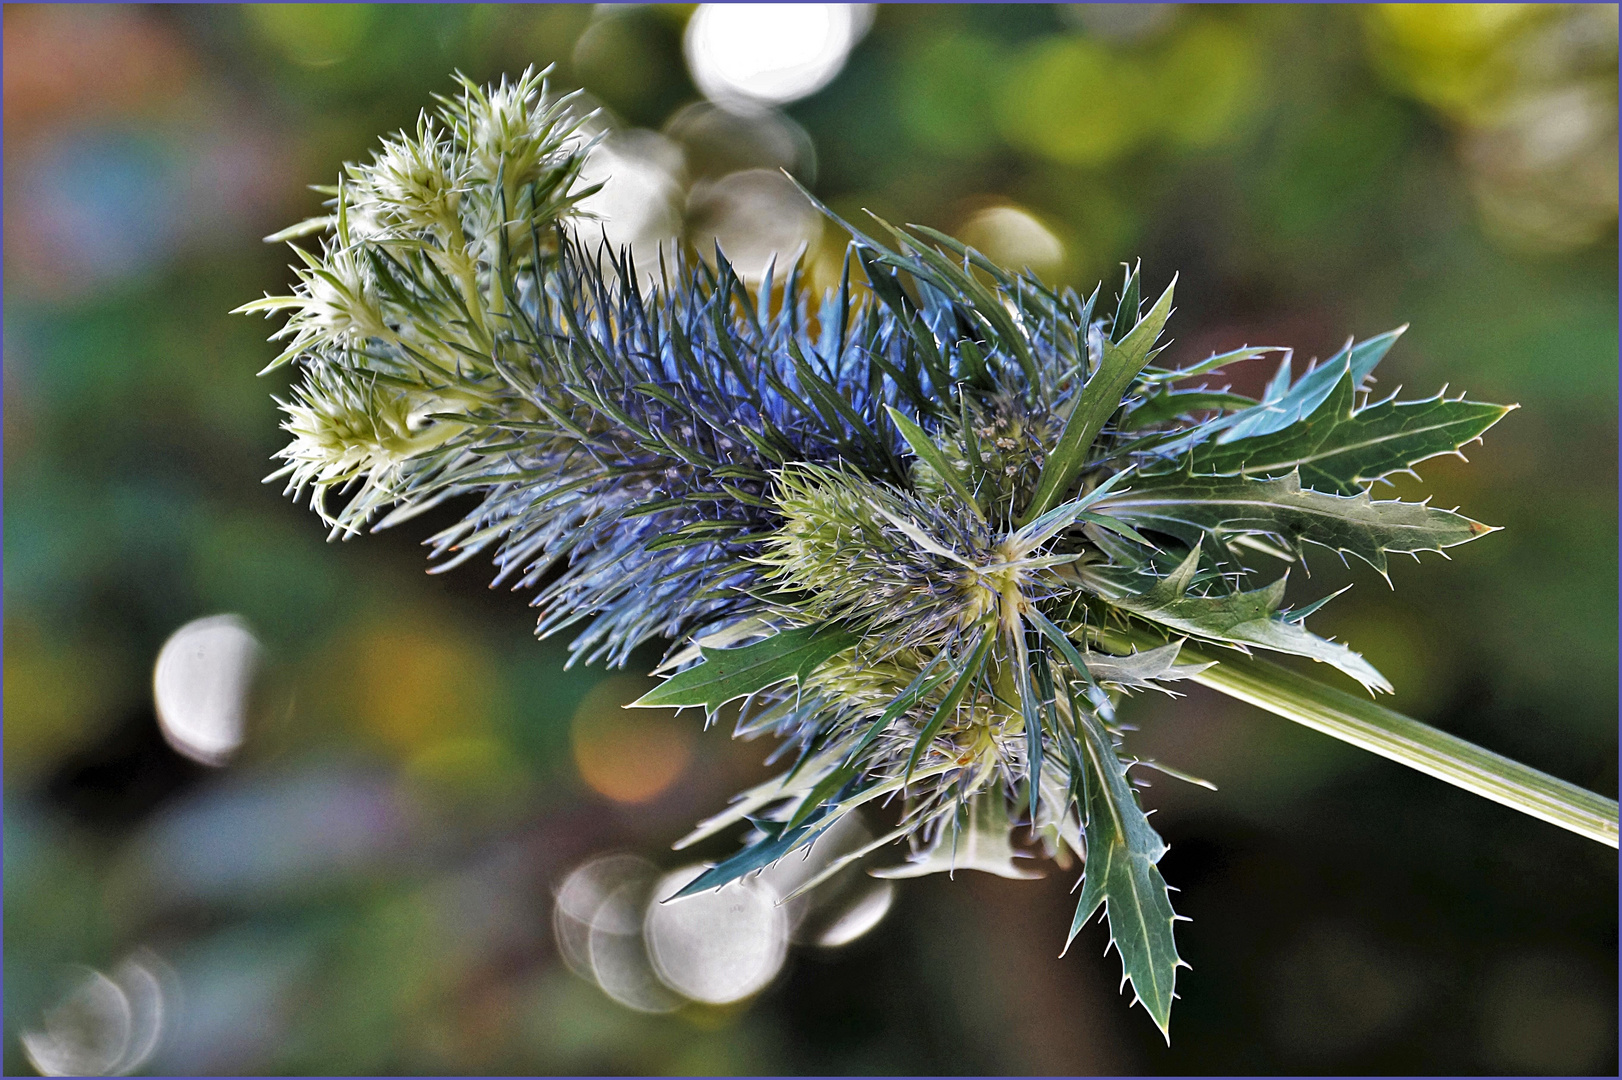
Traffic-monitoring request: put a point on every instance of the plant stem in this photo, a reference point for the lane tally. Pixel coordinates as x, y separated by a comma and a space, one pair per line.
1400, 738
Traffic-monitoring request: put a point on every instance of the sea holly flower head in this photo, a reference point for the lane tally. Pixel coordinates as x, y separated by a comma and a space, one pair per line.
926, 528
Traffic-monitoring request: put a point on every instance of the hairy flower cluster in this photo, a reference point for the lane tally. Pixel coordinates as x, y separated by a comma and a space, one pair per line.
349, 427
876, 557
928, 526
402, 320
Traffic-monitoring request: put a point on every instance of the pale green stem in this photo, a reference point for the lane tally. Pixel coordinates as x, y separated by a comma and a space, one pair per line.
1390, 734
461, 266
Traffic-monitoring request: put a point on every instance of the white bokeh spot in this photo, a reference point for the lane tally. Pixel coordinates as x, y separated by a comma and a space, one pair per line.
744, 55
201, 686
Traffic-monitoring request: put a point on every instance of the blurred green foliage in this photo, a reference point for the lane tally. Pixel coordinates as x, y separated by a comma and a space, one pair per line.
1311, 171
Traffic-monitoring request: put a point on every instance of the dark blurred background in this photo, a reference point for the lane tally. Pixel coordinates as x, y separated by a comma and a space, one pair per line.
354, 870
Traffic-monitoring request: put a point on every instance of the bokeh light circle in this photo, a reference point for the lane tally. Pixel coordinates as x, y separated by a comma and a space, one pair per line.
105, 1025
628, 755
756, 217
717, 946
619, 957
858, 916
201, 684
579, 898
770, 54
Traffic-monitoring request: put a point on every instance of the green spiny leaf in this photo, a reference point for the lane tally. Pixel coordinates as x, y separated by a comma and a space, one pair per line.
1113, 525
1244, 618
829, 786
1126, 311
1031, 713
1060, 641
1045, 527
1143, 669
1214, 362
1193, 507
1121, 875
1283, 406
726, 674
760, 854
1340, 450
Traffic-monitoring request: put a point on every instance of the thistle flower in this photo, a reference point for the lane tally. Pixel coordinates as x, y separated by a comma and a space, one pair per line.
877, 559
413, 187
928, 527
348, 428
